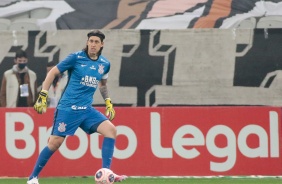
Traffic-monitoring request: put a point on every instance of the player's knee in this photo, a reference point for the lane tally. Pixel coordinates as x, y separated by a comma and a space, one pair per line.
107, 129
113, 131
53, 146
54, 143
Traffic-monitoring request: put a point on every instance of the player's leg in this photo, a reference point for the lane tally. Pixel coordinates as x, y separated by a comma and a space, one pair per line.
108, 130
53, 145
65, 123
98, 122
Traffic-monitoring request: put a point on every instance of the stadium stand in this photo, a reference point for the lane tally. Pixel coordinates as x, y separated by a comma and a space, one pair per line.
34, 15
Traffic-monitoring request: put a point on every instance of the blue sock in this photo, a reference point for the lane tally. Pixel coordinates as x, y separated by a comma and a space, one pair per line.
43, 158
107, 152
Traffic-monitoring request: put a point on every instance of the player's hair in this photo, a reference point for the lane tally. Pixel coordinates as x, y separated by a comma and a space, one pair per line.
98, 34
20, 53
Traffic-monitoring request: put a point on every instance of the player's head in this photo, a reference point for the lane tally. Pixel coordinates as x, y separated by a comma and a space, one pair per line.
95, 42
21, 59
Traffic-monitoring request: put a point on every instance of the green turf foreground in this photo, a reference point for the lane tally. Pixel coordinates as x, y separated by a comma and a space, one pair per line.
153, 180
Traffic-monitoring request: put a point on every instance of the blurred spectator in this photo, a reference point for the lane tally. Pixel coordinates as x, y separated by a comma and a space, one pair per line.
19, 84
57, 87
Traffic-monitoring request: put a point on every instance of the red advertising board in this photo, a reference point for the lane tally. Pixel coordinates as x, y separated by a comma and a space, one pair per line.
161, 141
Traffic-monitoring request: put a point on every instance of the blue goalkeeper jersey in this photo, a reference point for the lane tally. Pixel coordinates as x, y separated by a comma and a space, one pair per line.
84, 75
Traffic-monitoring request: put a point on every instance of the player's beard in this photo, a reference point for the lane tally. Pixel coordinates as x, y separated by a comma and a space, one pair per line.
93, 53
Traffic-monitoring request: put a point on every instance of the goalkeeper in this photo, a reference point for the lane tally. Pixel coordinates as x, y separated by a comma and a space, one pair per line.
87, 71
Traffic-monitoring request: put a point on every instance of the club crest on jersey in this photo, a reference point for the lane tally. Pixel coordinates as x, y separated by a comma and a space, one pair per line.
101, 69
62, 127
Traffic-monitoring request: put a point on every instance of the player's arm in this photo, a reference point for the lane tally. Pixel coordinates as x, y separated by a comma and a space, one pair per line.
50, 78
104, 89
41, 103
110, 112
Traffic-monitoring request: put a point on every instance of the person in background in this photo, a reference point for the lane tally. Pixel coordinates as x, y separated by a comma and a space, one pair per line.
19, 84
88, 70
57, 87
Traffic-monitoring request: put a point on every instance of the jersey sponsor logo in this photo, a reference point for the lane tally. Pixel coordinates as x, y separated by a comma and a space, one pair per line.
89, 81
82, 65
74, 107
80, 57
101, 69
62, 127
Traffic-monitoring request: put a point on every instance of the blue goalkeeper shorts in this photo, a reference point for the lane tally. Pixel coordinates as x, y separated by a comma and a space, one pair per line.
67, 122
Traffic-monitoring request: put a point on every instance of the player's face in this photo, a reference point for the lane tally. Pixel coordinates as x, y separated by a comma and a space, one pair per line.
94, 45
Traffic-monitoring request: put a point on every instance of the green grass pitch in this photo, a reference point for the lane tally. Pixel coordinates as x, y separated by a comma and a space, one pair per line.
153, 180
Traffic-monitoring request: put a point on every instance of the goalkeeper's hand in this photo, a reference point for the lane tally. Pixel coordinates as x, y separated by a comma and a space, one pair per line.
110, 112
41, 103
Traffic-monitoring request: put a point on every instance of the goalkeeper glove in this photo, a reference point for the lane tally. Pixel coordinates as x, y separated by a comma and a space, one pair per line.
41, 104
110, 112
